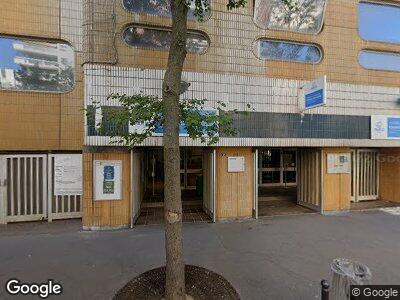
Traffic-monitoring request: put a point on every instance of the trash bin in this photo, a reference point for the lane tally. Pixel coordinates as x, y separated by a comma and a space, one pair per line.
345, 273
199, 185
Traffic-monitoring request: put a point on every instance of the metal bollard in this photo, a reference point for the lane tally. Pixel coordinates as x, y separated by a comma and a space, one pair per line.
324, 290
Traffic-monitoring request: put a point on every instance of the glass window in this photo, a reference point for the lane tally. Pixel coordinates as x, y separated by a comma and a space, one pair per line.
109, 124
384, 61
379, 22
162, 8
305, 16
280, 50
160, 39
30, 65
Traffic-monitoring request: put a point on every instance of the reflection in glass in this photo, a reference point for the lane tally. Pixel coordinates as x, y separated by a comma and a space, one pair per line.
379, 22
304, 16
160, 39
384, 61
36, 66
162, 8
279, 50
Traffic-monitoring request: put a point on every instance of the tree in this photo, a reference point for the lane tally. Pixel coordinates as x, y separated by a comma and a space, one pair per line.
148, 112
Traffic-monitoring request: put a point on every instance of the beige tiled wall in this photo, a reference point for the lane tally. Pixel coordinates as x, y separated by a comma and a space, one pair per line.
35, 120
232, 35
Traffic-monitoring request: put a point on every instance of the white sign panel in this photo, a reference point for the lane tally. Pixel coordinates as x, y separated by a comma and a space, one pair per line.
68, 174
107, 179
339, 163
236, 164
315, 93
385, 127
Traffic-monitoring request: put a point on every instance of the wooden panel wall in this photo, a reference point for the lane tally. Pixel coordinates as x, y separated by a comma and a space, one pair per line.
207, 179
389, 179
232, 35
234, 190
32, 121
106, 213
337, 187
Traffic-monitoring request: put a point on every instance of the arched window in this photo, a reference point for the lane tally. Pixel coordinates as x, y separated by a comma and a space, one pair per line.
160, 39
304, 16
287, 51
379, 22
162, 8
382, 61
33, 65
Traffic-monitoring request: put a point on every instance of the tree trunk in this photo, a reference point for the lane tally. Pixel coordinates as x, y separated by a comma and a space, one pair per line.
175, 266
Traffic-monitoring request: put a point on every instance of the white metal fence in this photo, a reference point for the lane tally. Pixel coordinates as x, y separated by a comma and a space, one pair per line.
27, 193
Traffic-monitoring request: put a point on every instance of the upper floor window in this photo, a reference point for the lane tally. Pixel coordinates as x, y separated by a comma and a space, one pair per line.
30, 65
160, 39
383, 61
162, 8
379, 22
304, 16
288, 51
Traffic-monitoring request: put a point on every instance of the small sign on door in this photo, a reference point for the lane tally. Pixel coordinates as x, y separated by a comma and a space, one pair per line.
236, 164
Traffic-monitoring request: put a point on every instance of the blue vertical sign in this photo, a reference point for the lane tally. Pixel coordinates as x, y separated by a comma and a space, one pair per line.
315, 93
393, 127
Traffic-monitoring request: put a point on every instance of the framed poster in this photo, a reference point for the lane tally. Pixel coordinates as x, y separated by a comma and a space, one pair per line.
339, 163
107, 179
236, 164
68, 174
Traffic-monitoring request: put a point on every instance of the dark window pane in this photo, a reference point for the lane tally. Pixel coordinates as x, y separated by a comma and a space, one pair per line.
162, 8
160, 39
36, 66
379, 22
383, 61
269, 177
289, 177
271, 158
289, 159
287, 51
304, 16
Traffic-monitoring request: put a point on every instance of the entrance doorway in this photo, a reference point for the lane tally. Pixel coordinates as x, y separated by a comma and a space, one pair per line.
277, 182
194, 175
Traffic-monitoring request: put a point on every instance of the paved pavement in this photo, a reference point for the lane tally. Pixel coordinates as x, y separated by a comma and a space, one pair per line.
270, 258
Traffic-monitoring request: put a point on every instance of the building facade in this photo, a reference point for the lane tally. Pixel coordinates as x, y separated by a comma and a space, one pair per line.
41, 105
264, 54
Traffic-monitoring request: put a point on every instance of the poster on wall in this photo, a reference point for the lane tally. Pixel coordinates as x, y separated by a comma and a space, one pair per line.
385, 127
236, 164
68, 174
107, 179
339, 163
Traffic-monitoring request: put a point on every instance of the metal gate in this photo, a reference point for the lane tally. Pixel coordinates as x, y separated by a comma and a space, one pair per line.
365, 175
61, 206
310, 178
26, 190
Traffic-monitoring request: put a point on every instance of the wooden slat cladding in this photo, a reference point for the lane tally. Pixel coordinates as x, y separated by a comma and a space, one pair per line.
232, 35
309, 177
106, 213
389, 180
337, 187
37, 120
234, 195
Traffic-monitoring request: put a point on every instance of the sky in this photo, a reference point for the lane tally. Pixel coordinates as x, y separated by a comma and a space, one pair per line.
7, 54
